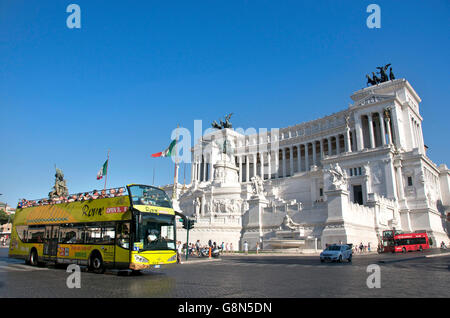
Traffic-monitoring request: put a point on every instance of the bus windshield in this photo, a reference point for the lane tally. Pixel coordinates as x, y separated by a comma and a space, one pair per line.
147, 195
156, 232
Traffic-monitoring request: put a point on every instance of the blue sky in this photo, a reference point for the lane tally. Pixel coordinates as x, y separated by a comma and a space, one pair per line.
136, 69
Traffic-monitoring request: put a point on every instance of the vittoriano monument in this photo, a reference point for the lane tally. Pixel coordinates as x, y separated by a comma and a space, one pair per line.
222, 125
60, 187
374, 80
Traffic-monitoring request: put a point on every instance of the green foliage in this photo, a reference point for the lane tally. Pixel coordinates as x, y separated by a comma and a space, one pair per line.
3, 217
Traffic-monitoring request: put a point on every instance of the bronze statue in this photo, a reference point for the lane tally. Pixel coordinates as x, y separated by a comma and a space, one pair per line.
222, 125
391, 74
383, 69
383, 75
60, 187
370, 81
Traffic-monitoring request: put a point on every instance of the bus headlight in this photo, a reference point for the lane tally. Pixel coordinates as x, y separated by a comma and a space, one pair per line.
140, 259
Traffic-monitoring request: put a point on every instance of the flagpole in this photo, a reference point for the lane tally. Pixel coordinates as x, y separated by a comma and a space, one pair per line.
107, 164
153, 183
175, 177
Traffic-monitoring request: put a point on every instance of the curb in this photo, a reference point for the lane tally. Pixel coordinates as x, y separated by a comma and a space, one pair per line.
206, 260
413, 258
437, 255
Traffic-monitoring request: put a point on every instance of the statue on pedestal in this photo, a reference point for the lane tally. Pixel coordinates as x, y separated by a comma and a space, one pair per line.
338, 177
60, 187
257, 186
289, 224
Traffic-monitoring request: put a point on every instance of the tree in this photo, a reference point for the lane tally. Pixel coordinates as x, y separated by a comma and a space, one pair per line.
3, 217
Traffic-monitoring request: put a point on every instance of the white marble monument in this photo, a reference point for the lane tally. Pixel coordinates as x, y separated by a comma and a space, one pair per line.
344, 177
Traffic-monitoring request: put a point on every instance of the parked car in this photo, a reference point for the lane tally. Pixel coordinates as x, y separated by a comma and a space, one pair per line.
337, 252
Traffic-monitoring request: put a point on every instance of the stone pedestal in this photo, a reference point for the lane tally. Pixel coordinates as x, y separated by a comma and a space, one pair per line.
225, 173
252, 222
335, 230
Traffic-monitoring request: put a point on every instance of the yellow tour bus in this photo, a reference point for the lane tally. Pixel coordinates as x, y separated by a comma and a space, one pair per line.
132, 229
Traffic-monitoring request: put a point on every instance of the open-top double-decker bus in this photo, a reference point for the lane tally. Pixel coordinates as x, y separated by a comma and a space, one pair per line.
397, 241
133, 229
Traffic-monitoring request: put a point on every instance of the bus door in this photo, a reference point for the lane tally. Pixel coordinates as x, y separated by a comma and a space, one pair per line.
122, 253
51, 241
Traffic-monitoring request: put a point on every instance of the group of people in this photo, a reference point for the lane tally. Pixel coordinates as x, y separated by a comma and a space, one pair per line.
86, 196
195, 249
4, 240
361, 248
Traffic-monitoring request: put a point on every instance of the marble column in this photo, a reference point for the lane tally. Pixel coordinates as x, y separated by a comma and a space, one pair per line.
255, 163
247, 172
348, 142
338, 146
291, 160
321, 149
330, 153
277, 163
355, 147
240, 168
299, 158
389, 133
306, 157
359, 134
383, 131
284, 162
372, 138
314, 155
204, 169
400, 187
269, 165
261, 160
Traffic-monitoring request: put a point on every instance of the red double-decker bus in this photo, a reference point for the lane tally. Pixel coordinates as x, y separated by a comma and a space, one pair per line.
396, 241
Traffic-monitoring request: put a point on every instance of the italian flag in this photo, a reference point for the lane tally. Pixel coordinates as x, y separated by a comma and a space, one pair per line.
102, 171
168, 152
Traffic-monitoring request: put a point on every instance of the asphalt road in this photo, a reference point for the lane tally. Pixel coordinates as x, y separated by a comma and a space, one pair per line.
401, 275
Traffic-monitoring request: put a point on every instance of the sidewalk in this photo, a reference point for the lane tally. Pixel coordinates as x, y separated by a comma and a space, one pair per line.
196, 259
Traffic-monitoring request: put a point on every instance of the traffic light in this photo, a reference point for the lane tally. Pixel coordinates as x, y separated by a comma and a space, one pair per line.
190, 224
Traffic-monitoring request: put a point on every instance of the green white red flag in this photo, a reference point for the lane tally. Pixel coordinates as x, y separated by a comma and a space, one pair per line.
102, 172
168, 152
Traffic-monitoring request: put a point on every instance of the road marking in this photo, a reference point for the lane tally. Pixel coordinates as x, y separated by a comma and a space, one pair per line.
9, 268
20, 268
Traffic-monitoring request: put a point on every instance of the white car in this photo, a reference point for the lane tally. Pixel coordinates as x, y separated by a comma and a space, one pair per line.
337, 252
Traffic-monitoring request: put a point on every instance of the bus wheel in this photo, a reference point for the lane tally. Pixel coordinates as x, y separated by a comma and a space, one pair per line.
33, 260
404, 250
96, 263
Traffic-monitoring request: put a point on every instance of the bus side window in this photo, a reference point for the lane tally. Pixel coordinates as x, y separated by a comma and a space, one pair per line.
123, 235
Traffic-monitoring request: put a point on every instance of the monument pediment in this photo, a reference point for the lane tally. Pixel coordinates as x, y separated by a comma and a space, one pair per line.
372, 99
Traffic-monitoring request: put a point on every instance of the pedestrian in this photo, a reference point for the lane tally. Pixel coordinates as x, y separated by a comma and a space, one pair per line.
257, 248
246, 248
179, 251
368, 247
197, 246
231, 248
